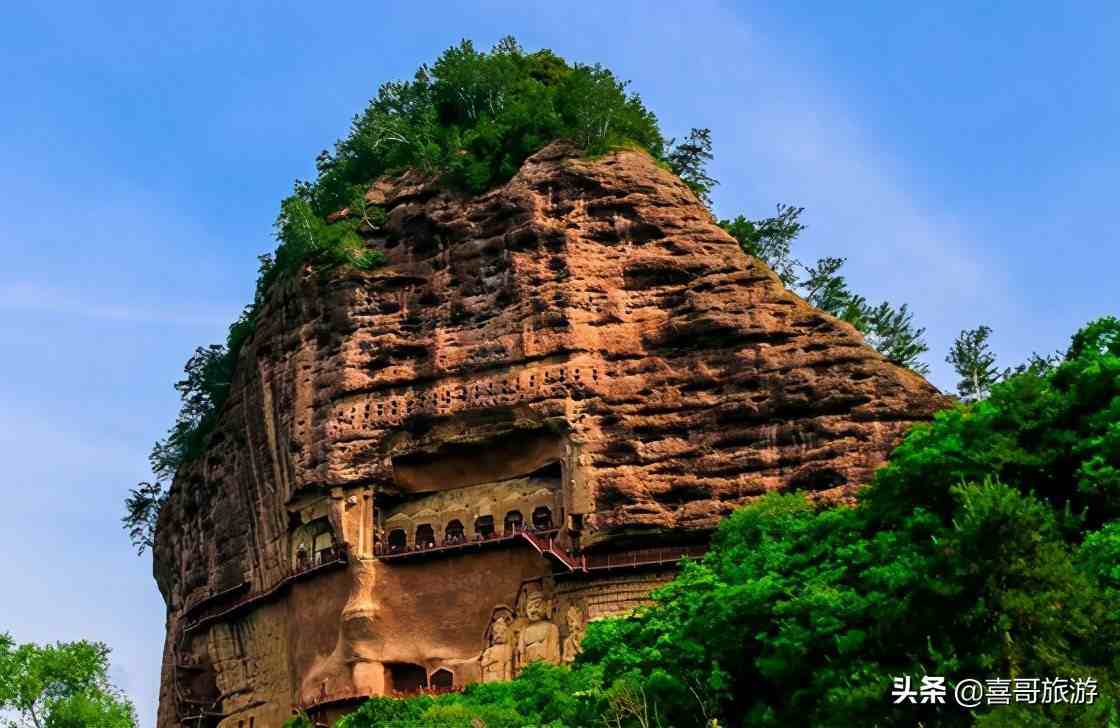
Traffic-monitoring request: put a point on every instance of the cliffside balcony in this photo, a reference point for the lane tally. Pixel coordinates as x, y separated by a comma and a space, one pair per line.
459, 544
207, 611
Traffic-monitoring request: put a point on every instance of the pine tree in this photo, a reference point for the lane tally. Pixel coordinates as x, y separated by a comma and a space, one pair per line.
827, 290
770, 240
974, 362
689, 160
893, 334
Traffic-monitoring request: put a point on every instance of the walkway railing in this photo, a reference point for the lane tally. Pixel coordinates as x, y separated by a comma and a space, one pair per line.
383, 552
325, 559
642, 557
545, 543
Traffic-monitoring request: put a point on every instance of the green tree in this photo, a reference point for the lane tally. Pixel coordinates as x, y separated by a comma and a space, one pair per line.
770, 240
974, 363
894, 335
689, 160
142, 513
827, 290
889, 330
64, 685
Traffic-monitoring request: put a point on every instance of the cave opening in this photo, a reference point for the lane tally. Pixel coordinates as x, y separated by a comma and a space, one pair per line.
405, 677
514, 522
443, 680
542, 518
425, 536
484, 526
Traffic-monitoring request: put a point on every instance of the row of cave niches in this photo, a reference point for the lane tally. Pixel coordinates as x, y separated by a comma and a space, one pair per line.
398, 540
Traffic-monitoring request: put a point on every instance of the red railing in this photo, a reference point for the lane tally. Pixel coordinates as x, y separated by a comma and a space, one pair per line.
384, 552
547, 546
545, 543
642, 557
329, 557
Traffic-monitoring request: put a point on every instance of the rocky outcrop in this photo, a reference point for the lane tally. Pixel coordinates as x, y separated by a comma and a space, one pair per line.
581, 352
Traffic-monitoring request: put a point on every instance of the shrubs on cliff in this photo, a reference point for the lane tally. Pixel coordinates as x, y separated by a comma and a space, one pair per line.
542, 695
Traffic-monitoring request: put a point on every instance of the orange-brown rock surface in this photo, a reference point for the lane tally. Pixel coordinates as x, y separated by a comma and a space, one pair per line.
581, 350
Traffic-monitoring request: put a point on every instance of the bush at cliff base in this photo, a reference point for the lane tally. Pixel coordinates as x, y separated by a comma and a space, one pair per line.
987, 548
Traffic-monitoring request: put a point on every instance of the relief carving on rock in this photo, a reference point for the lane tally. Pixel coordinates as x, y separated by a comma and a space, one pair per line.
539, 638
577, 624
497, 658
531, 631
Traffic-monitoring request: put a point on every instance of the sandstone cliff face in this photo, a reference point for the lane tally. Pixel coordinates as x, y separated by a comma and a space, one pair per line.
583, 350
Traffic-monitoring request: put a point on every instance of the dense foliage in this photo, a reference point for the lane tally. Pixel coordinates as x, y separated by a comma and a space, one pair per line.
474, 117
987, 548
542, 695
64, 685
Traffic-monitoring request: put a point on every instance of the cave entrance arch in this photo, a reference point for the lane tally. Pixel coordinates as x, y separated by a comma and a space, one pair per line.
514, 522
542, 518
443, 680
398, 539
484, 526
425, 535
454, 531
405, 677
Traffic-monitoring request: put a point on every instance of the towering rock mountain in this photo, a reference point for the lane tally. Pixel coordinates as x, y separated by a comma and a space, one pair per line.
434, 472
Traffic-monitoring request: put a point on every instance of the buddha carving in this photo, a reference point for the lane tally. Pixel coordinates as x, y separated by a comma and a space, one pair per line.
573, 617
497, 658
540, 638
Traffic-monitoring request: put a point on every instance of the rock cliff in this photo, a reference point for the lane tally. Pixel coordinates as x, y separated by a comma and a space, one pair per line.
436, 471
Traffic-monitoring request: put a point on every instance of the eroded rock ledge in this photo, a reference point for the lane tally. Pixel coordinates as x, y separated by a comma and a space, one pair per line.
582, 352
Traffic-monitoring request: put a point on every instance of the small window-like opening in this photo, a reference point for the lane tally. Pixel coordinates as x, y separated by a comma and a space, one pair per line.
484, 526
425, 536
577, 521
454, 532
442, 679
542, 518
397, 540
514, 522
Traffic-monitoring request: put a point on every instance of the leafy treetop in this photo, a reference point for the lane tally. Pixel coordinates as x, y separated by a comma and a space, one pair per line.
64, 685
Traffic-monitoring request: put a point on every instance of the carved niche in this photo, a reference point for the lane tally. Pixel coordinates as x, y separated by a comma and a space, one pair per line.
497, 658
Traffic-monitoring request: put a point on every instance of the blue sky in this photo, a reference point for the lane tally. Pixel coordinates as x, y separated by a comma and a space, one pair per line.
965, 160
